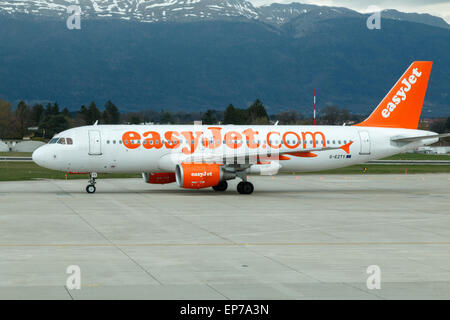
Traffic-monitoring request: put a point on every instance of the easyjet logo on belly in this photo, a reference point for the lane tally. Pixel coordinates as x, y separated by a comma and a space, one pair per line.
402, 93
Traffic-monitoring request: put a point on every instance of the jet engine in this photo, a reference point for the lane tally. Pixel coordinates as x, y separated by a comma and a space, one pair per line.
201, 175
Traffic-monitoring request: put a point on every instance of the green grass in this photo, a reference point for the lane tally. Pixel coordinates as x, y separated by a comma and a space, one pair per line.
418, 156
20, 171
387, 169
15, 154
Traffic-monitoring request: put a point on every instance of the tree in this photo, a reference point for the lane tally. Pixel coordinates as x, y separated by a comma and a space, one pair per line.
289, 117
66, 113
54, 124
83, 111
209, 117
166, 117
111, 114
37, 114
257, 114
333, 115
90, 114
135, 119
22, 117
438, 125
5, 119
234, 115
94, 113
330, 115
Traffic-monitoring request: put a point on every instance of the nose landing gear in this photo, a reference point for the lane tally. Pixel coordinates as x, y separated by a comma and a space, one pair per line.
91, 186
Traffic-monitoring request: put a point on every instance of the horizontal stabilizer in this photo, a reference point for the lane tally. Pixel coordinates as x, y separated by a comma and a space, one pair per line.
418, 138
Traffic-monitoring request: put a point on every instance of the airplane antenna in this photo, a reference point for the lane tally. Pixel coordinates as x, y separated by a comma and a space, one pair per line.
96, 122
276, 123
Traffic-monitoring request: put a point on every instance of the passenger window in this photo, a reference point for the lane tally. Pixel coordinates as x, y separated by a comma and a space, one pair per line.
107, 141
114, 141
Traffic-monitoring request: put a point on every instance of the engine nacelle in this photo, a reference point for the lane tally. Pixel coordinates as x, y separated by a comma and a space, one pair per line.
199, 175
159, 177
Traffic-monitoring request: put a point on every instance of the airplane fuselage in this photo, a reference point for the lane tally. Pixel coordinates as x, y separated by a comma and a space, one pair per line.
110, 148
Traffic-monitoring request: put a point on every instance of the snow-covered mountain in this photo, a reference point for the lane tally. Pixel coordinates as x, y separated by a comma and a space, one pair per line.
279, 14
195, 10
141, 10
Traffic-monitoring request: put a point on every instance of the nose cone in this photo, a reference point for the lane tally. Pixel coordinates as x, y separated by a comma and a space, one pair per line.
38, 156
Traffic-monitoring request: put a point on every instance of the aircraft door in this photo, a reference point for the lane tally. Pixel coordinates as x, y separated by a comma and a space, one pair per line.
95, 147
365, 142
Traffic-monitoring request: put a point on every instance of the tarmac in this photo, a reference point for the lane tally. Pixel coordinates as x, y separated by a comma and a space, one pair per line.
295, 237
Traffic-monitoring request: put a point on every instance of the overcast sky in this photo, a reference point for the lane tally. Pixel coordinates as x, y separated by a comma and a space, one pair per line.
439, 8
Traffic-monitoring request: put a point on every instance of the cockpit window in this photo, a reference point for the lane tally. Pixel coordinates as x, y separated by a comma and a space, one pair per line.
61, 141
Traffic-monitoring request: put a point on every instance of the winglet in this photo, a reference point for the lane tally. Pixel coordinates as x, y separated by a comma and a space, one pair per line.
346, 147
402, 106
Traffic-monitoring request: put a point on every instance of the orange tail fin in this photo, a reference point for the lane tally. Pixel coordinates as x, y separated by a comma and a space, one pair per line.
402, 106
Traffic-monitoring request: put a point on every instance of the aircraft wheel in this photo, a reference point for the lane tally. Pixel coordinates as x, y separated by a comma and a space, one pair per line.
222, 186
245, 187
90, 188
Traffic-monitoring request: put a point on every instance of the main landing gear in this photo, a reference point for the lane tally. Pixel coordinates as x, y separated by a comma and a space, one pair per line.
222, 186
245, 187
91, 186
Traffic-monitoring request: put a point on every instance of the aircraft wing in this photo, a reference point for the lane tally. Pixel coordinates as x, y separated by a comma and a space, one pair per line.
260, 155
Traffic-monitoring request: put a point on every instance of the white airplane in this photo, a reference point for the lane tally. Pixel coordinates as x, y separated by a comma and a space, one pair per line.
202, 156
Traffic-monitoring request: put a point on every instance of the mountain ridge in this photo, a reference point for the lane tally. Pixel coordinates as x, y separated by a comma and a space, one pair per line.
193, 10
